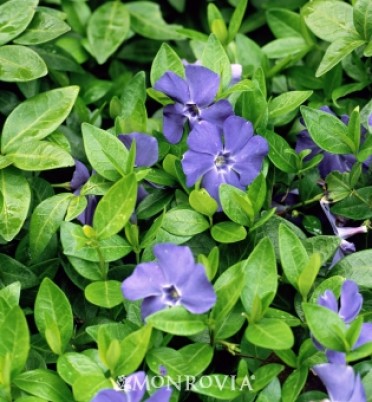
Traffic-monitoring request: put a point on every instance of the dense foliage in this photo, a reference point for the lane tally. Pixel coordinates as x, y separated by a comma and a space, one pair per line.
185, 200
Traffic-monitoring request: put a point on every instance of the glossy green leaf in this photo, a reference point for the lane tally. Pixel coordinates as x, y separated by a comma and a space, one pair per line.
284, 23
115, 208
105, 294
197, 357
228, 232
294, 384
15, 339
184, 222
15, 198
45, 221
309, 274
12, 270
260, 278
44, 384
177, 321
265, 374
37, 117
357, 205
107, 28
285, 47
172, 360
236, 205
237, 18
15, 15
287, 102
44, 27
53, 315
217, 386
165, 60
105, 152
202, 202
270, 333
362, 17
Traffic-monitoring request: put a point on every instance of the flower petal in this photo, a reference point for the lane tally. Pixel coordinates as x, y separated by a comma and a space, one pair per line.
365, 335
198, 295
328, 300
338, 379
173, 122
237, 132
173, 86
304, 141
205, 138
86, 217
146, 280
351, 301
336, 357
151, 305
147, 150
80, 176
217, 113
195, 165
331, 162
110, 395
135, 386
359, 393
203, 84
176, 263
161, 395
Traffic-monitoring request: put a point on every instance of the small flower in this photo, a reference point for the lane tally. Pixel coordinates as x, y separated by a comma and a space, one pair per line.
330, 162
342, 384
172, 280
80, 176
194, 97
147, 150
343, 233
134, 390
234, 156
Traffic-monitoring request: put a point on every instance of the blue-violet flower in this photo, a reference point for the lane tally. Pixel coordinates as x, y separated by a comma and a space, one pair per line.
173, 279
233, 155
194, 97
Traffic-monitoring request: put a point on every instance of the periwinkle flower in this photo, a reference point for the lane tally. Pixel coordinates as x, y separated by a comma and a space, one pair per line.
342, 232
174, 279
147, 150
341, 382
134, 390
194, 97
80, 176
232, 155
330, 162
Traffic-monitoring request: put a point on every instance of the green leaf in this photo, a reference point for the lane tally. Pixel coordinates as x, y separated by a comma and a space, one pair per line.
173, 361
215, 58
105, 294
15, 339
287, 102
294, 384
332, 335
338, 185
72, 365
12, 270
105, 152
166, 60
356, 206
293, 255
15, 198
45, 221
270, 333
116, 207
86, 387
217, 386
53, 313
236, 19
20, 64
44, 384
336, 51
15, 15
197, 357
236, 205
77, 206
228, 232
327, 131
133, 350
202, 202
260, 278
184, 222
177, 321
362, 17
44, 27
356, 267
257, 191
326, 246
40, 155
308, 275
107, 28
329, 19
285, 47
76, 244
37, 117
146, 19
265, 374
280, 152
284, 23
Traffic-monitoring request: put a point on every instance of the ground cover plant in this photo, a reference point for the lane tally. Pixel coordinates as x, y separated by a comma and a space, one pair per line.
185, 200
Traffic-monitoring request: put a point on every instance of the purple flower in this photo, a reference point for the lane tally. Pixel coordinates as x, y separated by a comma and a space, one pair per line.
173, 279
134, 390
80, 176
194, 97
330, 162
147, 150
351, 302
233, 156
343, 233
342, 384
